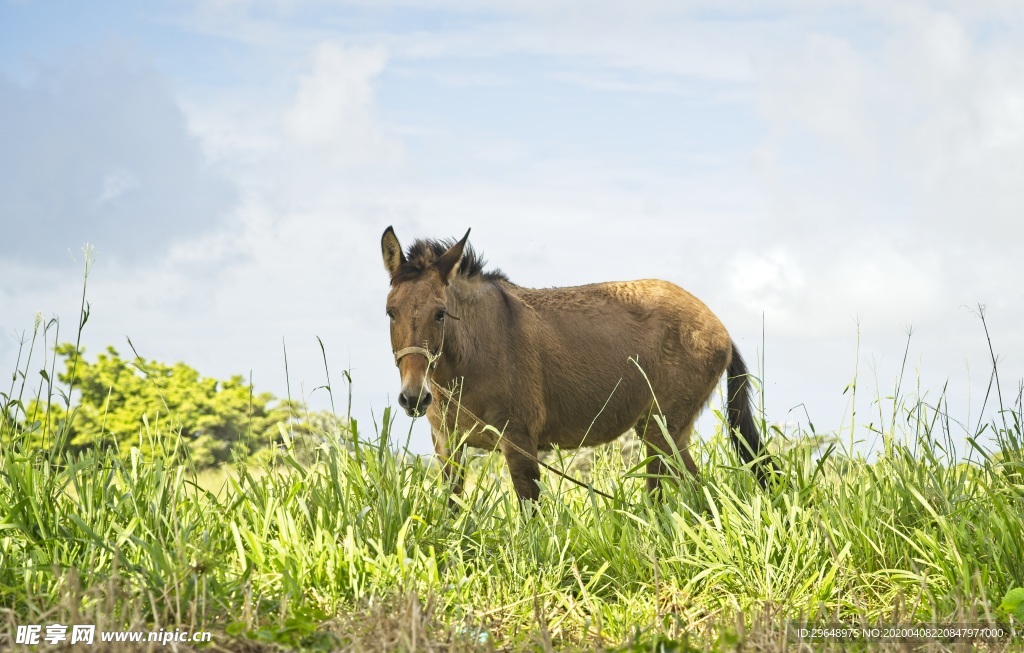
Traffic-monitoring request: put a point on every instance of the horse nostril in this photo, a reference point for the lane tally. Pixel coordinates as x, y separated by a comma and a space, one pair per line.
412, 401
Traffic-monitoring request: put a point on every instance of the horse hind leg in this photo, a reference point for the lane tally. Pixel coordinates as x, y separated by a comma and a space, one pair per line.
659, 448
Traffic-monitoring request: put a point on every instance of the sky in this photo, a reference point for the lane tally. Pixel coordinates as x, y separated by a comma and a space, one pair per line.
828, 177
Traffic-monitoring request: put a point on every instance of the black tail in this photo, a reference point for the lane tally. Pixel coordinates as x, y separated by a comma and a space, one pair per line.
745, 435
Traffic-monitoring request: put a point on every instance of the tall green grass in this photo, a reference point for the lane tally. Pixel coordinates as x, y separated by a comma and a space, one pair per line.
353, 545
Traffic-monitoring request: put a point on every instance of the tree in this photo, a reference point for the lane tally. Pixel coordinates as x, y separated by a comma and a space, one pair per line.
165, 410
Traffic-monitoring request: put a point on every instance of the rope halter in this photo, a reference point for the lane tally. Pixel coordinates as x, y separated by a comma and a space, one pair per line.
431, 357
422, 351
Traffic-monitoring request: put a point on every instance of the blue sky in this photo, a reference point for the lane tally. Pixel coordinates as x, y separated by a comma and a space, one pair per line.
804, 168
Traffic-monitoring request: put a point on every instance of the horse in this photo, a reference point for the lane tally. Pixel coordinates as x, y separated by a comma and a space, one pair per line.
522, 370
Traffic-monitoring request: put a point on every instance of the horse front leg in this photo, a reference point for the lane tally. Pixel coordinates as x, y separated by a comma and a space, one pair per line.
453, 472
520, 453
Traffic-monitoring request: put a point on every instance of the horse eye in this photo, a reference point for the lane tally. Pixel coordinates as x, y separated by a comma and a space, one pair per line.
391, 314
440, 315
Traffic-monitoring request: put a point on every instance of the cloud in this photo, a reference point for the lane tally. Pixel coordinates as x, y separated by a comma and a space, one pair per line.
95, 149
334, 107
934, 108
895, 161
819, 294
599, 44
117, 183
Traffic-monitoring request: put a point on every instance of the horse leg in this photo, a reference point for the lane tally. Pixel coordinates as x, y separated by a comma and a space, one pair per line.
521, 457
659, 448
453, 472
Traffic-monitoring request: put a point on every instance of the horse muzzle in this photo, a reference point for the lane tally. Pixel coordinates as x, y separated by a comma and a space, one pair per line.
415, 403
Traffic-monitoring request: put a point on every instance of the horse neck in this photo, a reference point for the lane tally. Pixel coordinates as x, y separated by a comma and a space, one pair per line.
468, 302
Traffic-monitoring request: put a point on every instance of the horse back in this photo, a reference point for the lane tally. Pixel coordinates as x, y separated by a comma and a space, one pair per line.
595, 356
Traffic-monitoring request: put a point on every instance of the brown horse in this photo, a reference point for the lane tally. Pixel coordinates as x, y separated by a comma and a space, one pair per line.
570, 367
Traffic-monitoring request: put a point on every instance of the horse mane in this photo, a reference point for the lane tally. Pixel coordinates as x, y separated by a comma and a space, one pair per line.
423, 253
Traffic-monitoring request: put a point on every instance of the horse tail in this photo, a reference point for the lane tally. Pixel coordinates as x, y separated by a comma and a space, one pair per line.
746, 437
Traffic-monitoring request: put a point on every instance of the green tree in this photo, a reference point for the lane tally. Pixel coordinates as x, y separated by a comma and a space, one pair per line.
165, 410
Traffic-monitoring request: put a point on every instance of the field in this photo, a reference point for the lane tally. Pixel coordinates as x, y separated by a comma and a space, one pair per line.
350, 544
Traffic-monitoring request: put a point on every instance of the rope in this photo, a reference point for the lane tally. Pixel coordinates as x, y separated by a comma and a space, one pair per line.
431, 358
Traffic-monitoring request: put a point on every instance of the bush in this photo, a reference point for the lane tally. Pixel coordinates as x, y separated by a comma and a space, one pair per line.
163, 410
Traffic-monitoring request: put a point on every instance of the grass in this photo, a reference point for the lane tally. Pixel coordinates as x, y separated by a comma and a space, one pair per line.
353, 546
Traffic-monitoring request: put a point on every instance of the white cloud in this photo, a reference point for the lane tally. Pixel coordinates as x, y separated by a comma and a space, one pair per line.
116, 183
930, 111
334, 107
902, 151
819, 293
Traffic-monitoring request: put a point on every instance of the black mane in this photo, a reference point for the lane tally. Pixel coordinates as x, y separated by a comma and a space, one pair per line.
423, 253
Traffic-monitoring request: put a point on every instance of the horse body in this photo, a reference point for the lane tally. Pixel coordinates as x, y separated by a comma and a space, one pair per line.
571, 367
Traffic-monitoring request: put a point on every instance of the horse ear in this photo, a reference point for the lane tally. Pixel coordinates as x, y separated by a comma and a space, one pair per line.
392, 251
448, 264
